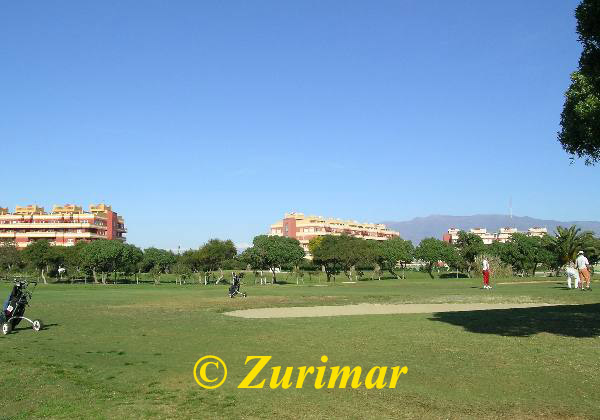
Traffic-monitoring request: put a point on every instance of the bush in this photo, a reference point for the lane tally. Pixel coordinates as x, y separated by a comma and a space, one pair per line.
496, 266
233, 264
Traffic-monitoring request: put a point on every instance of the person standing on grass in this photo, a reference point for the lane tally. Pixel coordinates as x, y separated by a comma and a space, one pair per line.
486, 273
583, 265
572, 274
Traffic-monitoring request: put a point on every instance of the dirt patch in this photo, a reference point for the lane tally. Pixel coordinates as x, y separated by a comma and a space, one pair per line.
374, 309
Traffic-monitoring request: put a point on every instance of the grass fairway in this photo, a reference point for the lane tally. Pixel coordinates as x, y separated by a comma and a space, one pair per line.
129, 351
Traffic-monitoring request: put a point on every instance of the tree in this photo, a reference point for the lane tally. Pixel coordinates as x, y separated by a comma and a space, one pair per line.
73, 260
432, 250
580, 118
92, 260
181, 271
469, 247
566, 243
354, 252
213, 253
191, 259
131, 258
38, 255
392, 252
112, 258
10, 257
325, 252
273, 252
157, 261
524, 253
109, 256
253, 257
592, 249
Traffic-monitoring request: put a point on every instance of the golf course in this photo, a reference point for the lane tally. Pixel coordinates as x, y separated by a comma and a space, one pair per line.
528, 348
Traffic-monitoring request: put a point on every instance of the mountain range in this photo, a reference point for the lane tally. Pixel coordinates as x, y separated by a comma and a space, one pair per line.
436, 225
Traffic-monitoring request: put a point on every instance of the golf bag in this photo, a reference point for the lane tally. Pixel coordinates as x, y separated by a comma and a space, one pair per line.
13, 309
234, 289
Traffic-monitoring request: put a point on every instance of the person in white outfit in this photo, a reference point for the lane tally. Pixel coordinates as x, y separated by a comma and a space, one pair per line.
572, 274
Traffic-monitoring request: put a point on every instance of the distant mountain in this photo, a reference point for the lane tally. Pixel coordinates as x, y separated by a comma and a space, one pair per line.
436, 225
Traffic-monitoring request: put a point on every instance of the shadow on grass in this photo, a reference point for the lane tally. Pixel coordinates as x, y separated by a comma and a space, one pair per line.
453, 276
566, 320
24, 327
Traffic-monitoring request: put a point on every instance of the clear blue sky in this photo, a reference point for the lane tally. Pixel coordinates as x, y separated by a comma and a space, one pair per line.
201, 119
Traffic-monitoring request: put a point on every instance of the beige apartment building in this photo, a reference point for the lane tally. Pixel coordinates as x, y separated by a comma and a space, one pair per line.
304, 228
65, 225
503, 234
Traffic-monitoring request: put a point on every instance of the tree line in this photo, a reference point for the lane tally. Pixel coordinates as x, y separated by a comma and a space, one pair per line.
103, 261
521, 254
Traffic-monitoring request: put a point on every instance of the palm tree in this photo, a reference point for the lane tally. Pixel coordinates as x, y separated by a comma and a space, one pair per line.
567, 243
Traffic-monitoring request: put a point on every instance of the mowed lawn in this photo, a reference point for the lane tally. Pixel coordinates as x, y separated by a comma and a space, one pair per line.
129, 351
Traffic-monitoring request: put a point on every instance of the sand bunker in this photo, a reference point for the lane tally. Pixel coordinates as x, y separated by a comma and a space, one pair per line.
374, 309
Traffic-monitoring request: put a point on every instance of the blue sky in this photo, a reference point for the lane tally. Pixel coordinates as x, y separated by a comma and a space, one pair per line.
211, 119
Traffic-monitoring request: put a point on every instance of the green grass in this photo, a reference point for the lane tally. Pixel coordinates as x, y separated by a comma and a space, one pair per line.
128, 351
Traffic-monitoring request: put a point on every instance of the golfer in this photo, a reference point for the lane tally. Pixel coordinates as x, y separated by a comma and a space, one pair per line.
583, 265
572, 274
486, 273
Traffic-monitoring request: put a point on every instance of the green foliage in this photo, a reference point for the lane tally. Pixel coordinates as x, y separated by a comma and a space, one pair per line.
588, 28
40, 256
273, 252
314, 243
566, 243
432, 251
326, 253
253, 257
392, 252
345, 253
497, 267
355, 252
469, 247
73, 259
182, 272
580, 118
131, 259
157, 260
524, 253
191, 259
213, 253
10, 257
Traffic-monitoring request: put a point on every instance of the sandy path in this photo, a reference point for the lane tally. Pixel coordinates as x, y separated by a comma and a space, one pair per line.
374, 309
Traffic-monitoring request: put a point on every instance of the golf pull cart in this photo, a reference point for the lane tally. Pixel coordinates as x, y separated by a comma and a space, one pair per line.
13, 310
234, 289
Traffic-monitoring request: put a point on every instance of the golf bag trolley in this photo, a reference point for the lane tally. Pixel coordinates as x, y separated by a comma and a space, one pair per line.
234, 289
13, 310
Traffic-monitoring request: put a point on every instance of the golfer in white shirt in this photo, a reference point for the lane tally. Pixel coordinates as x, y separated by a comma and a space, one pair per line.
486, 273
572, 274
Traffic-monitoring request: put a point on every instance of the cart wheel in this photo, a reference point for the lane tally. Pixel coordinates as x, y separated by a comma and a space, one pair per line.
6, 328
37, 325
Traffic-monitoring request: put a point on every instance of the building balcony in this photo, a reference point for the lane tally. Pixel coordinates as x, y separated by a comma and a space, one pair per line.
73, 225
35, 235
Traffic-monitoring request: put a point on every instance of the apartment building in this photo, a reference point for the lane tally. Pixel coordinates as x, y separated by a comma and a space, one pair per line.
503, 234
304, 228
64, 225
